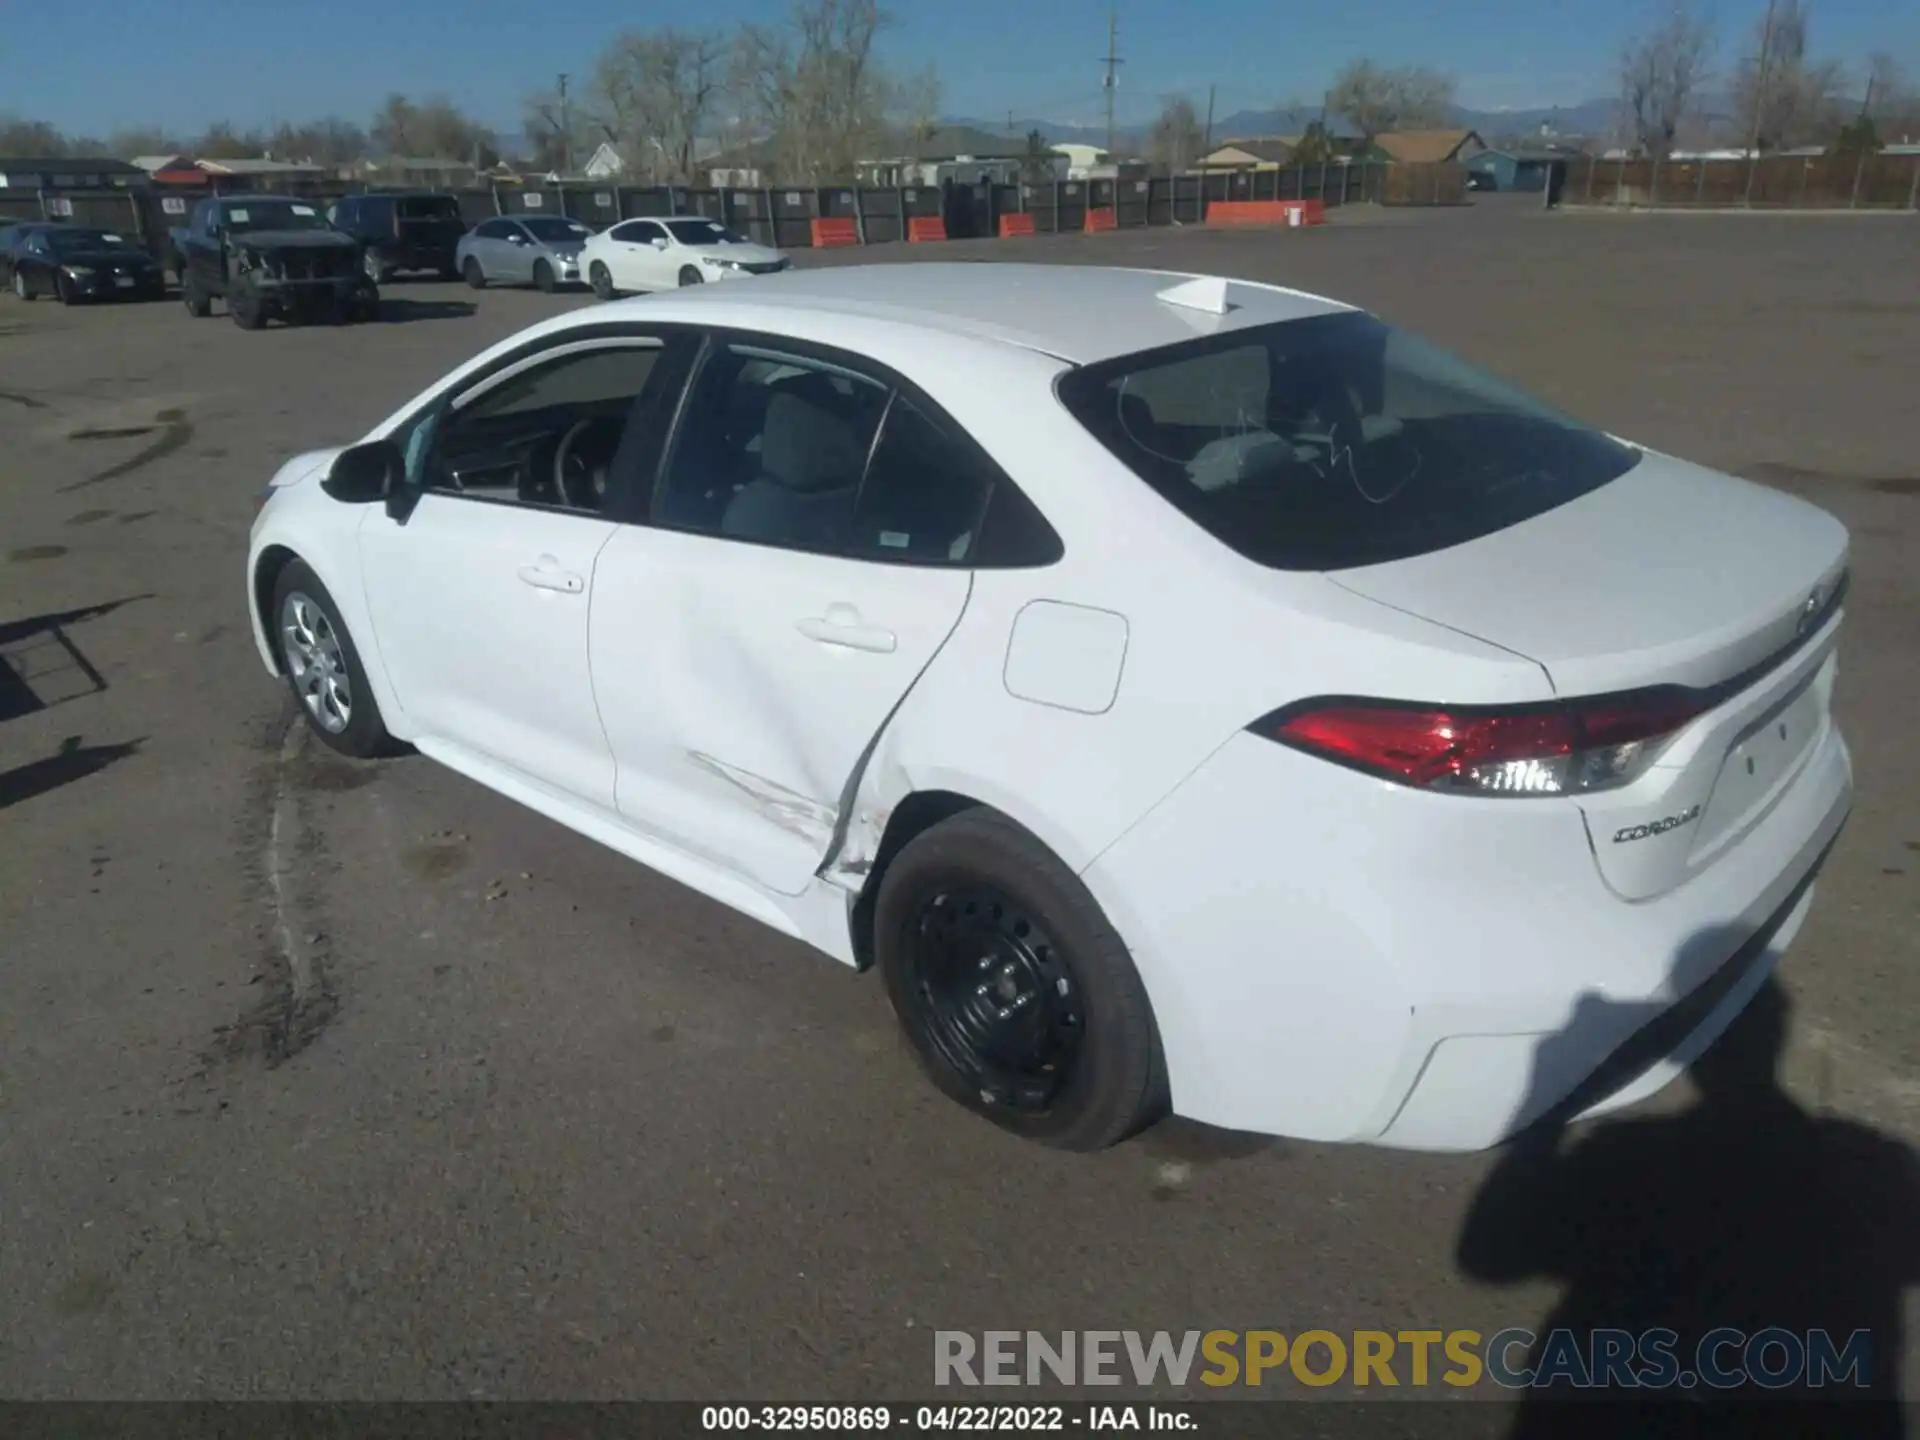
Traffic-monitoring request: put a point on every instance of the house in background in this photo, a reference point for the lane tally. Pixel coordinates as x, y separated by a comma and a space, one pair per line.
959, 153
172, 169
1266, 152
1429, 147
68, 173
1516, 169
606, 163
263, 175
414, 172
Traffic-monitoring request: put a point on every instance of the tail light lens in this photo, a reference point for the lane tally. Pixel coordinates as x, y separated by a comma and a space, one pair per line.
1559, 749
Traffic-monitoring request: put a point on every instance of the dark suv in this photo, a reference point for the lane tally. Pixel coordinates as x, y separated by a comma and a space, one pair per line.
402, 232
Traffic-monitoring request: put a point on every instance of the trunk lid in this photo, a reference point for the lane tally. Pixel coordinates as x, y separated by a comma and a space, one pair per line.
1671, 575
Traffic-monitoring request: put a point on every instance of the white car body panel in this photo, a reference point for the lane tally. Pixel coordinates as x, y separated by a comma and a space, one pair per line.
1329, 955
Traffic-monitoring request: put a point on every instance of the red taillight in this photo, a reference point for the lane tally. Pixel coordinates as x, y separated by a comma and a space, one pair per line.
1528, 750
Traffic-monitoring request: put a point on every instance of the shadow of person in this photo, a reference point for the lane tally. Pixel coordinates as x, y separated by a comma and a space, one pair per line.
72, 761
1743, 1214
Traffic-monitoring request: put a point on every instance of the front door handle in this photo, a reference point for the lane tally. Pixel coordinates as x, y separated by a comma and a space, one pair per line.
547, 575
841, 626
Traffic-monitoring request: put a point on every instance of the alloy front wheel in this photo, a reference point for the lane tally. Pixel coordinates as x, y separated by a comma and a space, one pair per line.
316, 665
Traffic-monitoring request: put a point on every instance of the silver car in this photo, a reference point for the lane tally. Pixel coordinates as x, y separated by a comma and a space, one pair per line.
539, 250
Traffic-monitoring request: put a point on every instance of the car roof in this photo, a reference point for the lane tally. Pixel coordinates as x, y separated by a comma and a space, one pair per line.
1082, 314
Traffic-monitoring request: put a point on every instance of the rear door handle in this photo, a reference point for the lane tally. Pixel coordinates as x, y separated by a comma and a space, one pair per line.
841, 626
547, 575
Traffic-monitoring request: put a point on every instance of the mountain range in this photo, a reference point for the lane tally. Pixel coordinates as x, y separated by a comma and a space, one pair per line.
1589, 117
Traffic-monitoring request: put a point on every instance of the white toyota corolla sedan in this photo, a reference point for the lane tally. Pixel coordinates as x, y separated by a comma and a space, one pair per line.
1188, 693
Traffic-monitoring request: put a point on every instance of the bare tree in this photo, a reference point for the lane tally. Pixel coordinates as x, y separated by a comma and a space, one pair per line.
1891, 102
1792, 98
31, 137
653, 94
393, 125
813, 86
1659, 75
220, 141
1376, 100
330, 141
1175, 139
132, 140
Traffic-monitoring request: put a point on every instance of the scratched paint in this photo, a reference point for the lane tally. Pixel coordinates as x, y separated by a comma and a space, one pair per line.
786, 808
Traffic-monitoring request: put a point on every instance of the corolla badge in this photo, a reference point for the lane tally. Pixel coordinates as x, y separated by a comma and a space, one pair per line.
1809, 609
1656, 827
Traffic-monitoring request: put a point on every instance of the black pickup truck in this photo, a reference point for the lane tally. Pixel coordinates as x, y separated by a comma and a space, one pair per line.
270, 257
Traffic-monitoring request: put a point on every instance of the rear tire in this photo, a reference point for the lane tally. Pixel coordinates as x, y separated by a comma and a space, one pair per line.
543, 277
691, 276
194, 298
602, 280
374, 270
323, 667
473, 274
22, 288
1018, 997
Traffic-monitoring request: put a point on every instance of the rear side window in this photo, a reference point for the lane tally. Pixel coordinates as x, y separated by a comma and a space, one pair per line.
1337, 441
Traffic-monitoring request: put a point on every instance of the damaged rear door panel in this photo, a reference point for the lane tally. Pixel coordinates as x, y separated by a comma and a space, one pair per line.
743, 685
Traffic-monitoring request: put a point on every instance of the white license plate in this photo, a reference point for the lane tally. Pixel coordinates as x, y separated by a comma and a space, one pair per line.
125, 282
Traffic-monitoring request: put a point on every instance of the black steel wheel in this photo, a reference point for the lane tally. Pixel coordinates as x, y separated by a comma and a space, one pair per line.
1018, 997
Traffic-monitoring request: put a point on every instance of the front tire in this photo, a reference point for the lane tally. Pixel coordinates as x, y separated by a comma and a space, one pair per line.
543, 277
691, 276
21, 288
63, 290
1018, 997
194, 298
246, 308
475, 277
323, 667
602, 280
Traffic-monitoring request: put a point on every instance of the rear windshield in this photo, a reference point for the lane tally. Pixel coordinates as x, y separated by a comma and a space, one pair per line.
1337, 441
429, 207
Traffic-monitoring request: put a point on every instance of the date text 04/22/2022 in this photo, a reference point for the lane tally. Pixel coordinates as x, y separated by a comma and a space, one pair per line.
850, 1419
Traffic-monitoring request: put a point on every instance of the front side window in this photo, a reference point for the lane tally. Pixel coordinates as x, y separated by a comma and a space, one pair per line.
549, 435
772, 447
1337, 441
702, 232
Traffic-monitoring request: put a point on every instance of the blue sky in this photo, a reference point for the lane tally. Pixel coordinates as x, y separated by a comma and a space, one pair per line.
93, 65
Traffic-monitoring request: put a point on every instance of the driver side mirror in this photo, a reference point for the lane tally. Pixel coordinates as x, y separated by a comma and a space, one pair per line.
365, 473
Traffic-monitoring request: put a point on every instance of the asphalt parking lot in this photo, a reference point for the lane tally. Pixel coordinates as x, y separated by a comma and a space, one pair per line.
325, 1080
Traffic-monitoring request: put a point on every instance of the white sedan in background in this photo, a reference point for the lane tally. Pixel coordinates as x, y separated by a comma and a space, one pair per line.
1188, 693
665, 254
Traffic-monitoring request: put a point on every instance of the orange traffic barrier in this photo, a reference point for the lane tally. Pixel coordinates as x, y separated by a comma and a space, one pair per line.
835, 231
926, 227
1012, 225
1102, 220
1267, 212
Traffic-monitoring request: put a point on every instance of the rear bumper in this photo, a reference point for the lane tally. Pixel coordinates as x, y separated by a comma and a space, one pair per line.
1336, 958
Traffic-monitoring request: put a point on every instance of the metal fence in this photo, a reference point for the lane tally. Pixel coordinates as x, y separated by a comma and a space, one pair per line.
783, 217
1862, 181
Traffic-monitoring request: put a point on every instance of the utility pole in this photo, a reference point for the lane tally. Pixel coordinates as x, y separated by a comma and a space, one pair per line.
1760, 98
1206, 146
1113, 64
566, 130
